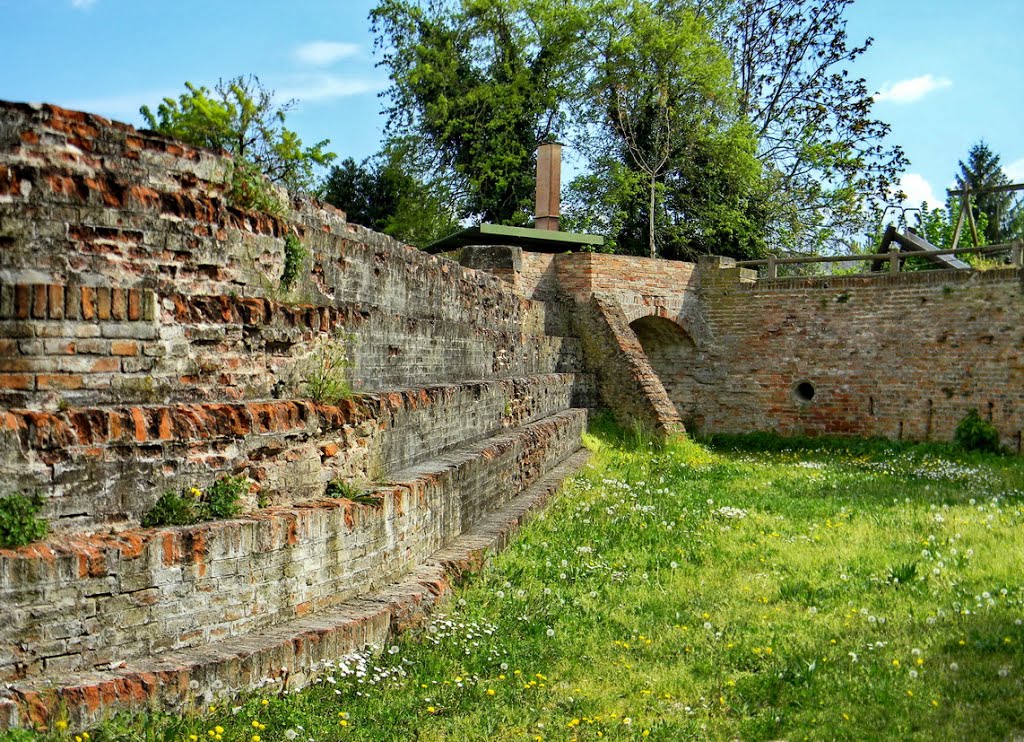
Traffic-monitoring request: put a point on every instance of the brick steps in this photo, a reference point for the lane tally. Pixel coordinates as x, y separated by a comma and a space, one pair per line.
65, 343
109, 464
178, 679
79, 602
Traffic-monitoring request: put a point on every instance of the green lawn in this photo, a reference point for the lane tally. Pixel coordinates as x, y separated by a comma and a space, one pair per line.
751, 588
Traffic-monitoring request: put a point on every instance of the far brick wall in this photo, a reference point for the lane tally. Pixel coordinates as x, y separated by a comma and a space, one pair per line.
896, 356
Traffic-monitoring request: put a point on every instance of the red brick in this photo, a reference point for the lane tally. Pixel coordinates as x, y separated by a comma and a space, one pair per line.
134, 305
56, 300
105, 366
166, 430
88, 303
141, 425
119, 304
103, 303
22, 301
124, 348
59, 381
40, 300
24, 382
72, 302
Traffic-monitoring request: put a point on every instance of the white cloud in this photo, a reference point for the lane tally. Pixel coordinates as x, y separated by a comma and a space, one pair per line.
324, 53
1015, 171
918, 191
82, 4
914, 89
326, 87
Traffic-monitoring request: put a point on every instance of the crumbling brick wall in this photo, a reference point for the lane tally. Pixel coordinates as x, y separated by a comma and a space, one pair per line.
146, 340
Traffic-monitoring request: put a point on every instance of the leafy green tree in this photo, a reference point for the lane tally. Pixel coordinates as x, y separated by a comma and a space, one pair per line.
480, 83
1005, 216
678, 162
811, 118
938, 225
383, 193
239, 116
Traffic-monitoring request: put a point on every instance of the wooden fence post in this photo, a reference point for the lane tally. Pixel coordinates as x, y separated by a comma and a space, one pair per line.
894, 261
772, 271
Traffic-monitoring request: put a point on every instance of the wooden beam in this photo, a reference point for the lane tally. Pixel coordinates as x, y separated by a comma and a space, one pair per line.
959, 228
991, 189
970, 218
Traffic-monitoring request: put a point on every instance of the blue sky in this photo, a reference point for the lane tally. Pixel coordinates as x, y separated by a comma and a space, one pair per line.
948, 73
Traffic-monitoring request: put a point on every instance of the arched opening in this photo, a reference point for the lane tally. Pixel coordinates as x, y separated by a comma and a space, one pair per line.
673, 355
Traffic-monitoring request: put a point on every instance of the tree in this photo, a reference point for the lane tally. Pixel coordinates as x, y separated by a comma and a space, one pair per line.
239, 116
812, 119
677, 161
479, 84
1005, 217
938, 225
684, 153
383, 193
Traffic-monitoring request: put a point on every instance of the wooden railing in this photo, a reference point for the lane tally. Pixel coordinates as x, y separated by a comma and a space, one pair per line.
894, 257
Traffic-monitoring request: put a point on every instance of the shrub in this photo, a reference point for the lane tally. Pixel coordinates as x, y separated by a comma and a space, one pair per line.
974, 433
294, 254
18, 522
239, 115
193, 505
325, 376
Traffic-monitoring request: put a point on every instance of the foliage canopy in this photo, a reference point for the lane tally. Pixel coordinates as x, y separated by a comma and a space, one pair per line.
720, 126
239, 116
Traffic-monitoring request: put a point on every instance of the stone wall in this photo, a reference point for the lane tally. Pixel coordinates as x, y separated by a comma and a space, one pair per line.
147, 344
628, 279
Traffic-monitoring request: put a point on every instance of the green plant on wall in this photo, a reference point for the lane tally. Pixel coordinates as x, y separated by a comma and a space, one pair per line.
193, 505
18, 522
340, 489
294, 254
325, 379
974, 433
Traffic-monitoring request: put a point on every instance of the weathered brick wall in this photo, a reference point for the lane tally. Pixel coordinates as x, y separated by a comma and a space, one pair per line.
903, 356
146, 344
78, 604
129, 284
627, 278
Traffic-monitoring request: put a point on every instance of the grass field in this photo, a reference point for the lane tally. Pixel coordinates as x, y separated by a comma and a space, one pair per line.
747, 588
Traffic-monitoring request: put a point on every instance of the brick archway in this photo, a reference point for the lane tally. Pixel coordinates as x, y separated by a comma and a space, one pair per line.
672, 353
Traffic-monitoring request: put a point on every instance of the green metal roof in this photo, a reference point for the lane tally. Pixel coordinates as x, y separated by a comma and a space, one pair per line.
536, 240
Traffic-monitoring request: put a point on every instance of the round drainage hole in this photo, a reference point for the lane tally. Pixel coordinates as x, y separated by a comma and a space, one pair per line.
804, 391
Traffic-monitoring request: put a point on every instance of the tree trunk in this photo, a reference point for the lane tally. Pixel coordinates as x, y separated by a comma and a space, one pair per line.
650, 218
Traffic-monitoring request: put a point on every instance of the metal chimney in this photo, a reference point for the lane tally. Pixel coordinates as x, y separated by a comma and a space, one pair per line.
549, 186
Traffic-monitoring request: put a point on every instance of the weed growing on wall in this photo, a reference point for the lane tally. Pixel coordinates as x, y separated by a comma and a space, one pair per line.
193, 505
758, 588
339, 488
325, 379
251, 191
294, 254
18, 522
974, 433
